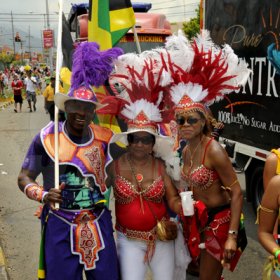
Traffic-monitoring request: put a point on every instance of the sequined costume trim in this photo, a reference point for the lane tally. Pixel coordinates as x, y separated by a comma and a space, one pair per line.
85, 235
125, 192
201, 177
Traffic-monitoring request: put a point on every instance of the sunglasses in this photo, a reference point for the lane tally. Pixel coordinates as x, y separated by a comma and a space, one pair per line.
133, 139
190, 120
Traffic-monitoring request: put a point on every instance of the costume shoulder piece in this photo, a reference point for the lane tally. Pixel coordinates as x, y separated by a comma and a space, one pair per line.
101, 133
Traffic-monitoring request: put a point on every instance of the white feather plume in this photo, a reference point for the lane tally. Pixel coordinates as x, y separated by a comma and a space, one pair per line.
194, 91
204, 41
180, 50
236, 67
132, 110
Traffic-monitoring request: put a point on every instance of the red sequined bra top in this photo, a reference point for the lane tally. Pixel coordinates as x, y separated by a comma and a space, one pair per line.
125, 192
201, 177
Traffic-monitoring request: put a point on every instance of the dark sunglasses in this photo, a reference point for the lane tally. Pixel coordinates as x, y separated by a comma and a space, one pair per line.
133, 139
191, 120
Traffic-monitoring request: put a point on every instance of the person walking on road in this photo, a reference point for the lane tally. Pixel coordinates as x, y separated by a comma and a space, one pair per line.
49, 97
30, 86
17, 86
79, 235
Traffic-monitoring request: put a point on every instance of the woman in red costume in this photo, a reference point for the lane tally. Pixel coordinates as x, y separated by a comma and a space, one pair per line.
206, 168
139, 179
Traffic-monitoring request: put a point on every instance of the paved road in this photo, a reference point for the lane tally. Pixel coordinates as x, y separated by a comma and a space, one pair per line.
20, 230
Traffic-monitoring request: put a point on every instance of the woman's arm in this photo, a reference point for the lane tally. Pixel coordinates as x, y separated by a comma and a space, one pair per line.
172, 196
269, 169
110, 174
222, 164
268, 214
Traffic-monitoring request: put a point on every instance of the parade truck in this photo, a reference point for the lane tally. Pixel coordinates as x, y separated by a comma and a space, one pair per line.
251, 115
152, 29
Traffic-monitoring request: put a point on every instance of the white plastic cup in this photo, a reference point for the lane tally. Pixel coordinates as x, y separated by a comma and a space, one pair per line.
187, 203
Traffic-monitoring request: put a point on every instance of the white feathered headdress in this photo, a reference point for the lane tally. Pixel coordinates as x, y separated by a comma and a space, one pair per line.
141, 81
214, 72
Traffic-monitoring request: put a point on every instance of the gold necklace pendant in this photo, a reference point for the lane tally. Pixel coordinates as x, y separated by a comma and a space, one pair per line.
139, 177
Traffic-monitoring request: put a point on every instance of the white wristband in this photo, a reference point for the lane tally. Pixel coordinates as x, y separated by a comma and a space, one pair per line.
43, 196
233, 232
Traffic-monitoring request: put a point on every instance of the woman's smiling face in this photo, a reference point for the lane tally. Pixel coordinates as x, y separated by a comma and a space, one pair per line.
140, 143
190, 124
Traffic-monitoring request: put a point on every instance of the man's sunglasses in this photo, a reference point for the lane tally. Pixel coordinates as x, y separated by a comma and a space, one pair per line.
133, 139
190, 120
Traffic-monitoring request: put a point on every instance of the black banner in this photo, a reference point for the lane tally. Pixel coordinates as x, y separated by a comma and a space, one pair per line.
119, 4
249, 27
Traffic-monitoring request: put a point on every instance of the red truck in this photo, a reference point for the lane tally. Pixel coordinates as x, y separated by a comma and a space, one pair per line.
152, 29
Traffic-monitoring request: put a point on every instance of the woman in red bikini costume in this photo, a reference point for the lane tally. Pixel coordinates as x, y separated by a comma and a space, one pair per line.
140, 183
206, 168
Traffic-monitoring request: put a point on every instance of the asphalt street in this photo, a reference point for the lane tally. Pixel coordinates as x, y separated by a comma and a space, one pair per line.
20, 230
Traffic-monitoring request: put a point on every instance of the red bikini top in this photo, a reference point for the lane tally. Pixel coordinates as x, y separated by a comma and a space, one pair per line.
125, 192
201, 177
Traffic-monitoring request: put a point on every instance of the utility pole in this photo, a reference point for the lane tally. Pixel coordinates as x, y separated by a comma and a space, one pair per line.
48, 26
13, 34
29, 46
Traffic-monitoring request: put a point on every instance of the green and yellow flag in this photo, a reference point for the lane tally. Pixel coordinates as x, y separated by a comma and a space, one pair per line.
109, 20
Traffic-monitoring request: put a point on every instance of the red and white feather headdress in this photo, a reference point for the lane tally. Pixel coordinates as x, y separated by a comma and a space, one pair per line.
139, 82
214, 72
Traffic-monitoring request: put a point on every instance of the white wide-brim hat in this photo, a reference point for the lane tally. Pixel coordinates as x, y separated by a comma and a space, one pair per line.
82, 94
162, 148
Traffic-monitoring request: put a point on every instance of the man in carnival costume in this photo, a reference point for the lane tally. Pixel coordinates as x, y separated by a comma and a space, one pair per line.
79, 235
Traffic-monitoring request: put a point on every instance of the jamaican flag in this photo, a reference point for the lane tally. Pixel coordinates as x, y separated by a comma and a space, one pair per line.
108, 21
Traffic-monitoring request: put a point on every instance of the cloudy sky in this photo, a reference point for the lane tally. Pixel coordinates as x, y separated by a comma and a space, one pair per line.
32, 13
29, 19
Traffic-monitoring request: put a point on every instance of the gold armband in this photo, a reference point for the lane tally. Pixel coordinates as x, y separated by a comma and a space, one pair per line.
267, 210
228, 188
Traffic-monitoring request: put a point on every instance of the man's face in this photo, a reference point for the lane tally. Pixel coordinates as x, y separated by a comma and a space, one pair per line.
79, 114
53, 82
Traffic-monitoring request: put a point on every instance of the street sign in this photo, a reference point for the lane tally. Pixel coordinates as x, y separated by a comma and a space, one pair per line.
48, 38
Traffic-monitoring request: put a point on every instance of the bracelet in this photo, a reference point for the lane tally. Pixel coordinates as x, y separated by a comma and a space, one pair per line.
43, 196
276, 253
34, 191
27, 186
233, 232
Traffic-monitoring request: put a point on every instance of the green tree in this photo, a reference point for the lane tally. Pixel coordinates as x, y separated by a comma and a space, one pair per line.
192, 27
6, 59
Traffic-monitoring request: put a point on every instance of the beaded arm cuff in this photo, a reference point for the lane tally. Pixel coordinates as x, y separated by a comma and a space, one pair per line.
34, 191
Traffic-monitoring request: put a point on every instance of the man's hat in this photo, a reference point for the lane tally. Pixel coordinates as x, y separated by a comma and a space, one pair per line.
91, 68
82, 93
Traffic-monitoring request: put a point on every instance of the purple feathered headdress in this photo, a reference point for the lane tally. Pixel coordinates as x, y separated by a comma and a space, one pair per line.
91, 68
